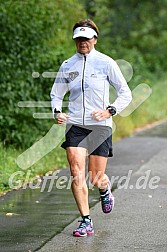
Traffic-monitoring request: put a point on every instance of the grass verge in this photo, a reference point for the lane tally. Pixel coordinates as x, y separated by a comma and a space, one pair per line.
54, 160
153, 109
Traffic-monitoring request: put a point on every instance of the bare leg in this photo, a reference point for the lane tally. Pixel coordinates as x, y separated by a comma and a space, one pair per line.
76, 158
96, 167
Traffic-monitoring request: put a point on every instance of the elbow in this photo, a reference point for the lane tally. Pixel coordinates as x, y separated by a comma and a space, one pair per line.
52, 95
129, 96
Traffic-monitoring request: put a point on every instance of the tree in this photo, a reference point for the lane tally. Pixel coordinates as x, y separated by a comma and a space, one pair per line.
35, 36
132, 28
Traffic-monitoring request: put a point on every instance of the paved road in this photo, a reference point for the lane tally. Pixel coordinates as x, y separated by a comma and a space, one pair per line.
138, 222
139, 219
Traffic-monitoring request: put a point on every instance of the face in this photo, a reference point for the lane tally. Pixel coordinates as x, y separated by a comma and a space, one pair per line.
85, 45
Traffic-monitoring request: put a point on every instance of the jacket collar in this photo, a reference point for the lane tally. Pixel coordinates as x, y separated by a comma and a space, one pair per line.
88, 55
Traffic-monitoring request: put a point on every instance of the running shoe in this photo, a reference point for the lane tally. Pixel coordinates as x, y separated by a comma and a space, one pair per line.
85, 228
107, 200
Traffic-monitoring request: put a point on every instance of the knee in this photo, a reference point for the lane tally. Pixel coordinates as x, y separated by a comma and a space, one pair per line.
77, 172
77, 176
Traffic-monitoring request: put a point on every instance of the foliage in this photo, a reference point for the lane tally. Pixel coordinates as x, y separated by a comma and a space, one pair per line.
35, 37
133, 30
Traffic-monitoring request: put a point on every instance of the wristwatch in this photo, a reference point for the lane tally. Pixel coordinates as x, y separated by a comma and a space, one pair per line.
56, 112
112, 110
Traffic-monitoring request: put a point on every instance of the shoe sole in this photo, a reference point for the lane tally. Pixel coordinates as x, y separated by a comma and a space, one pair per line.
77, 234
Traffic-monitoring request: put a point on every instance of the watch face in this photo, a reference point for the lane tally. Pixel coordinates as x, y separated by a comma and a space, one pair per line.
112, 110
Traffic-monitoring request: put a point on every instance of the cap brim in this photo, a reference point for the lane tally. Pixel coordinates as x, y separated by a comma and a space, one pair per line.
85, 32
82, 34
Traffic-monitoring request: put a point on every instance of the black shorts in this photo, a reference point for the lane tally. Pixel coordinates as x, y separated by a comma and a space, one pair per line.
96, 139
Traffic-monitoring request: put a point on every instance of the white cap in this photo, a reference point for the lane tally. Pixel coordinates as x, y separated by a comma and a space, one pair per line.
85, 32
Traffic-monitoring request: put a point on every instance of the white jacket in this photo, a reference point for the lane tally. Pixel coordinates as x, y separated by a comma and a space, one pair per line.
87, 78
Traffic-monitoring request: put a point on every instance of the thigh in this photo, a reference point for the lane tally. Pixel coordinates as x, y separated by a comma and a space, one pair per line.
77, 158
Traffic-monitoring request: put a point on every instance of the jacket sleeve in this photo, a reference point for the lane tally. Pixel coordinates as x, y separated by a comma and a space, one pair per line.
124, 95
59, 89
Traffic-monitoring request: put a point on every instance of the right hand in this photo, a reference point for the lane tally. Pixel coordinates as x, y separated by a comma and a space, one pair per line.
61, 118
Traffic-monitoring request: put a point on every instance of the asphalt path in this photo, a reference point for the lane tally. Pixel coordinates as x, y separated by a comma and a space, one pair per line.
139, 219
44, 221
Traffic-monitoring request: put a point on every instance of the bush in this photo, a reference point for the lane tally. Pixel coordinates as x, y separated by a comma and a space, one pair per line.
35, 36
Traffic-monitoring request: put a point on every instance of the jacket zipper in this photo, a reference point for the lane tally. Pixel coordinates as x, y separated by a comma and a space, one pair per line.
83, 91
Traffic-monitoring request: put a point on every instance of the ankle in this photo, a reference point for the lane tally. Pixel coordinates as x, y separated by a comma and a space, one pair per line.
103, 192
86, 218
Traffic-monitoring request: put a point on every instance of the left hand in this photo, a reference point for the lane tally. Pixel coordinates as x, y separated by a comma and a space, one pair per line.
100, 115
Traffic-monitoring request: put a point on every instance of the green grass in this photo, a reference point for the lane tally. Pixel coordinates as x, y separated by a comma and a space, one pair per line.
153, 109
54, 160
